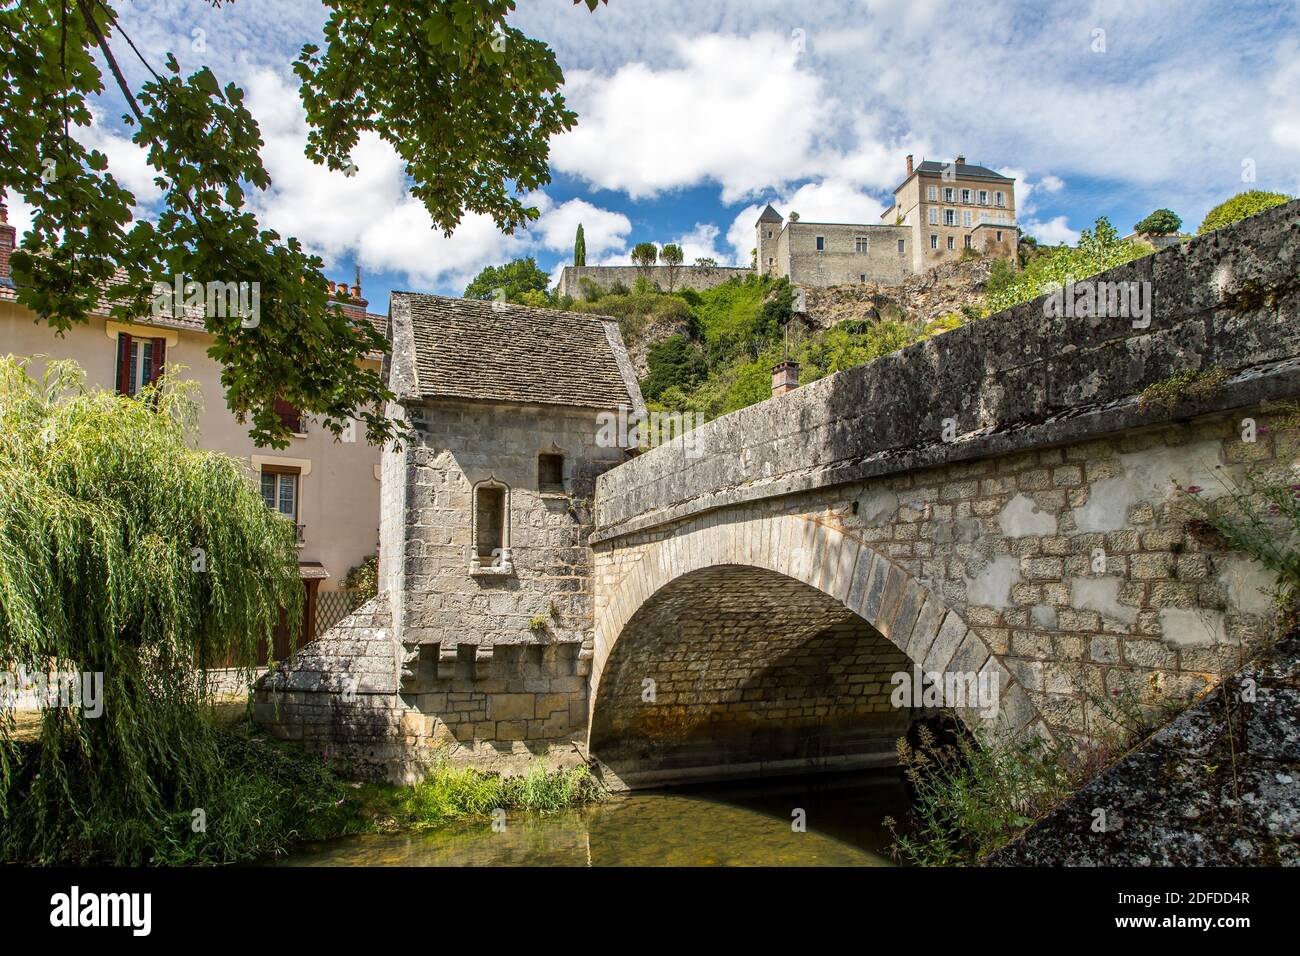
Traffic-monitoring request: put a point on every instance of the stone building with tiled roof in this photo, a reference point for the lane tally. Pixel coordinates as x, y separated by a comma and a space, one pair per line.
480, 641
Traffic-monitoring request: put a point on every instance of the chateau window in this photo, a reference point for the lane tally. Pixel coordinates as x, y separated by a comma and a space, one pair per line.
934, 241
965, 195
861, 244
934, 216
821, 243
966, 241
139, 362
947, 193
1000, 198
951, 245
999, 235
932, 193
491, 530
550, 473
984, 217
901, 247
966, 217
950, 217
984, 197
862, 277
769, 234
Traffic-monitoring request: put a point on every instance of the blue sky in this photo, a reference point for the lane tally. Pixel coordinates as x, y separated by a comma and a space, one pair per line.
694, 113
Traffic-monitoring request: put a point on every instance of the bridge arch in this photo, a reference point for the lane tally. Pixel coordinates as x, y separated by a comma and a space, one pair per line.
788, 594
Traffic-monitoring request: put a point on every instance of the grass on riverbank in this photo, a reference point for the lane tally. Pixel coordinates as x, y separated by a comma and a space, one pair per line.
271, 796
970, 799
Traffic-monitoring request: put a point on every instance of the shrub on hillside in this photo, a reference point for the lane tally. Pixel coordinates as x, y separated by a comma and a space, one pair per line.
1239, 207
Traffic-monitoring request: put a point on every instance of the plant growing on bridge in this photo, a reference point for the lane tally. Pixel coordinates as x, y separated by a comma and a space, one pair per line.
1259, 515
127, 554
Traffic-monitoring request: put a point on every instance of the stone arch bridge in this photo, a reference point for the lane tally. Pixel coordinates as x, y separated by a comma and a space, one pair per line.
1004, 505
998, 502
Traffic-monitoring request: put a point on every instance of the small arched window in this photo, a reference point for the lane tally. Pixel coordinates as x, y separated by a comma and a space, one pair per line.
490, 528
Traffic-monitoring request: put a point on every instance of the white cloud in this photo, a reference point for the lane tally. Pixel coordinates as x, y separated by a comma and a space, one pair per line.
371, 217
1051, 232
701, 243
602, 229
738, 111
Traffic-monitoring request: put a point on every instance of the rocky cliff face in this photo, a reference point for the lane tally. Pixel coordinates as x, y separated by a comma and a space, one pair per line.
929, 295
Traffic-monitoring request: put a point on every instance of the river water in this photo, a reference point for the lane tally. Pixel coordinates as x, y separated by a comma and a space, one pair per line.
749, 824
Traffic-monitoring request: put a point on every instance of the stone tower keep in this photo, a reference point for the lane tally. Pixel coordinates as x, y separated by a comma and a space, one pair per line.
767, 235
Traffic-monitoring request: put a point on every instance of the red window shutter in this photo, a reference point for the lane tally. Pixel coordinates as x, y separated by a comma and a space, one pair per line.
289, 415
159, 356
123, 364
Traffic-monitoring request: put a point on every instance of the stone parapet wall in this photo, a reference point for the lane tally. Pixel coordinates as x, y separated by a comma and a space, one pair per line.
1017, 380
686, 277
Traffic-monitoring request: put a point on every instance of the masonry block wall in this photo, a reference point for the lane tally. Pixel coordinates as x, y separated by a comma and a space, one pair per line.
685, 277
493, 657
840, 260
999, 497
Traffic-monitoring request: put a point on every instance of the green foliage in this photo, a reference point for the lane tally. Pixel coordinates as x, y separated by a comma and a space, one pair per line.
516, 279
849, 344
1162, 222
1239, 207
969, 800
449, 792
580, 248
674, 362
409, 72
672, 257
363, 578
1181, 387
1099, 249
126, 552
645, 255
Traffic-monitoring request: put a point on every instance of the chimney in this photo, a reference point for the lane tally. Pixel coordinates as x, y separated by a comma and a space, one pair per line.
961, 160
8, 237
785, 377
909, 164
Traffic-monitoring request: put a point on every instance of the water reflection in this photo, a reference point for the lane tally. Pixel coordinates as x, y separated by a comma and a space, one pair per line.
736, 825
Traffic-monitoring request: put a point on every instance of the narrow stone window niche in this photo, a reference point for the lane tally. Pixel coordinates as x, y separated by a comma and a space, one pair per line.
491, 529
550, 473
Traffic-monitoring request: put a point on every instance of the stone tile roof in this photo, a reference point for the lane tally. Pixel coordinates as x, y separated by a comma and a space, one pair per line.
471, 349
965, 170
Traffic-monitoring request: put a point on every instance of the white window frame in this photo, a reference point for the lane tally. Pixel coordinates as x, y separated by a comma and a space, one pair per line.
948, 193
820, 244
861, 244
966, 217
932, 193
984, 197
1000, 198
965, 195
934, 241
951, 244
934, 215
950, 217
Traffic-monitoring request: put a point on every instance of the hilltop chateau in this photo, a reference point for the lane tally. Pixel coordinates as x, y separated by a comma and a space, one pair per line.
940, 209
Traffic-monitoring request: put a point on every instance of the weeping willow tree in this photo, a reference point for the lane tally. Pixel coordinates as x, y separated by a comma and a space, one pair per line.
124, 552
